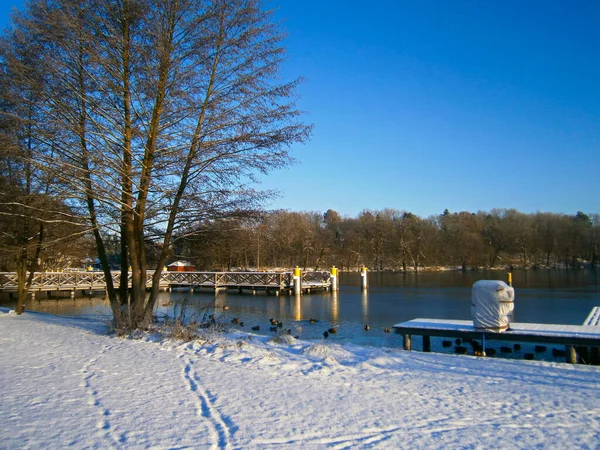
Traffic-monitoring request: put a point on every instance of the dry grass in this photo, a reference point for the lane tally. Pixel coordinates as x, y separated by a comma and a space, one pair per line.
181, 325
181, 332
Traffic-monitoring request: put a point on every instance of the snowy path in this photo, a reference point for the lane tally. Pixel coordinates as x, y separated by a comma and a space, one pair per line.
66, 384
220, 426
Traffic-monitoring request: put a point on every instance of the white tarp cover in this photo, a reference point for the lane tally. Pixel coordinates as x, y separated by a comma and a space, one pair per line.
492, 303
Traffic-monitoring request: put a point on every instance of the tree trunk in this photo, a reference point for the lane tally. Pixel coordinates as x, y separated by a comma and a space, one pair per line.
34, 262
21, 281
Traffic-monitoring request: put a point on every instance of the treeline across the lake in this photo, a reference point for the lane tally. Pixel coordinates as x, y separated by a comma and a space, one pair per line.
395, 240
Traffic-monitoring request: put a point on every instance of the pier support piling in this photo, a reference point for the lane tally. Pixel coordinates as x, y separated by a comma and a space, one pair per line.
426, 343
595, 356
584, 354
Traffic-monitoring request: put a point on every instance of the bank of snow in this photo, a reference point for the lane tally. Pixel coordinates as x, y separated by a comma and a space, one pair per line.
65, 382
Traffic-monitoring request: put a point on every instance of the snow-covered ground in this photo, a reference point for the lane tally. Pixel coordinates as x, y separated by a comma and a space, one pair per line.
66, 382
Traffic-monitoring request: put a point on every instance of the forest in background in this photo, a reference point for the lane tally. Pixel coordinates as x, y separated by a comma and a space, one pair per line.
394, 240
381, 240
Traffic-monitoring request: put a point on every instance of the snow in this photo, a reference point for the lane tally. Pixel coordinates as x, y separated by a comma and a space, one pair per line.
67, 382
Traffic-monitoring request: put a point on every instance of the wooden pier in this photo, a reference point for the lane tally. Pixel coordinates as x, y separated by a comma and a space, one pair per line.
271, 282
574, 337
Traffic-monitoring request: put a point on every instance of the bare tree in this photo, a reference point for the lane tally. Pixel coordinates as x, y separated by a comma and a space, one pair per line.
165, 110
33, 222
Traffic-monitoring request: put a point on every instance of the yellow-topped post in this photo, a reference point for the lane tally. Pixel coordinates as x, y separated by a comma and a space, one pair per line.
335, 286
363, 278
297, 281
511, 317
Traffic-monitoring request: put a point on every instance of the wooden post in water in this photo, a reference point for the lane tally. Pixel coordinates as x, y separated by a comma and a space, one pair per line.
584, 354
334, 279
426, 343
595, 356
509, 276
363, 278
297, 281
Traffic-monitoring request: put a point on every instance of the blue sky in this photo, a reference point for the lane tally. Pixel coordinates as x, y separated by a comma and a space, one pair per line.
427, 105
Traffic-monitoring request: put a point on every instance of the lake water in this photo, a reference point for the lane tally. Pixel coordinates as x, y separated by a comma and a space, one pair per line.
542, 296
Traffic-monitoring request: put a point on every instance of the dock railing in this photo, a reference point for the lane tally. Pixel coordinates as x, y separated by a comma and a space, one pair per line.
95, 281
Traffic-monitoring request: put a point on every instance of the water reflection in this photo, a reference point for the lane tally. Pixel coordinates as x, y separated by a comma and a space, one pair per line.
298, 307
66, 306
220, 300
285, 307
365, 306
335, 306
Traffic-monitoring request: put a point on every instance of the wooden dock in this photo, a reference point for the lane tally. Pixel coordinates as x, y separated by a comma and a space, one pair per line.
272, 282
573, 337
